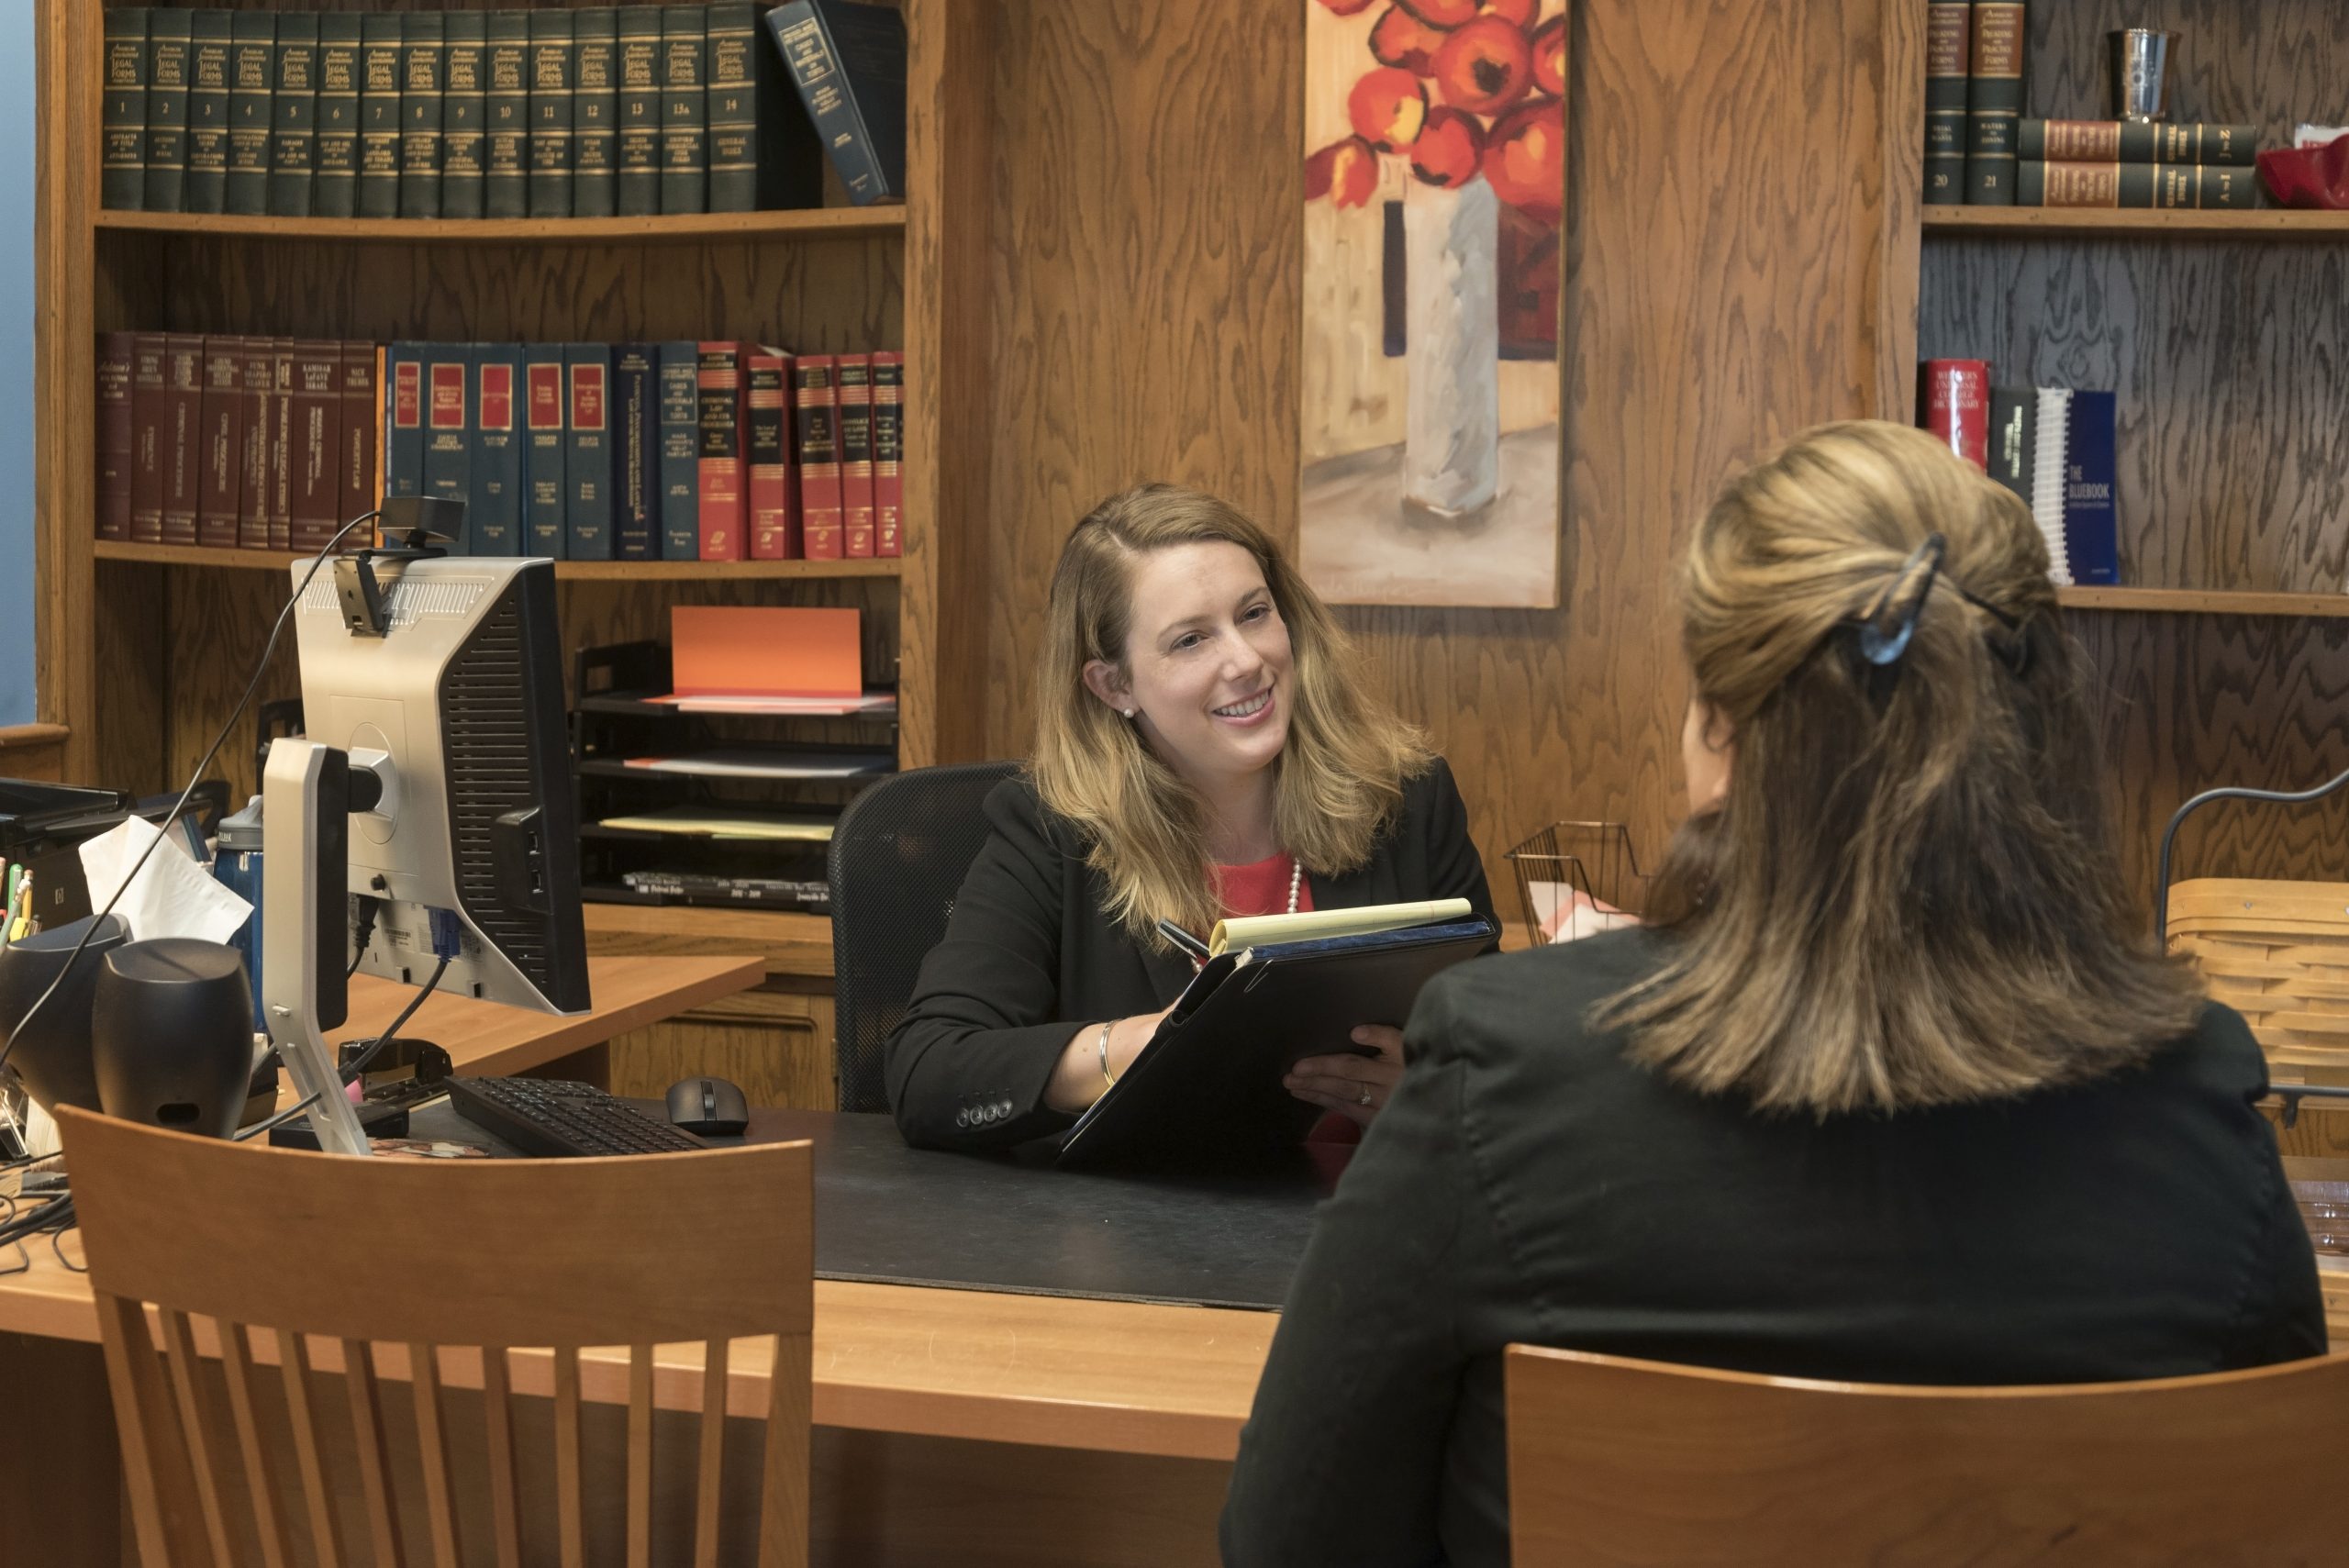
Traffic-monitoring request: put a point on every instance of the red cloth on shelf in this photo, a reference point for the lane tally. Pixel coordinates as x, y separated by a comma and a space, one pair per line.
2309, 176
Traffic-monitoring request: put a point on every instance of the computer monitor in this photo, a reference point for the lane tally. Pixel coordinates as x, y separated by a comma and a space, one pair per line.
433, 776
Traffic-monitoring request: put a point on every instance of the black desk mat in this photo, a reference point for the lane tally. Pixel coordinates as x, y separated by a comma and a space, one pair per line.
891, 1215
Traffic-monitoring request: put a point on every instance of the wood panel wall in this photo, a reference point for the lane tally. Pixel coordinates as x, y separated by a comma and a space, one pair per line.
1721, 293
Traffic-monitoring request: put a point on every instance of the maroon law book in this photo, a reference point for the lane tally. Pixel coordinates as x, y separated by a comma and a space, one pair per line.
357, 465
115, 445
281, 467
149, 433
314, 443
220, 473
183, 445
259, 383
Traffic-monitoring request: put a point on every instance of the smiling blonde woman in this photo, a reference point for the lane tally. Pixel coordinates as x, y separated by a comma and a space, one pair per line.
1204, 748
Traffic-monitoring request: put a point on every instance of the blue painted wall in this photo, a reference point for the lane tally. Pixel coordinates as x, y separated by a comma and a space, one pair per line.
17, 88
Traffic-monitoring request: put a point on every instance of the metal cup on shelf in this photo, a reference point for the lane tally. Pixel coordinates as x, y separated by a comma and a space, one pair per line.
2141, 59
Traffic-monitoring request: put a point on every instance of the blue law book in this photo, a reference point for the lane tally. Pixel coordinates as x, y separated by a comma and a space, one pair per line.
404, 419
448, 428
2091, 517
544, 458
587, 463
679, 369
636, 453
849, 64
494, 518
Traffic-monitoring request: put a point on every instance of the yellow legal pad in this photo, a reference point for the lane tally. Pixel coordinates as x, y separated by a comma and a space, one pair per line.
1258, 930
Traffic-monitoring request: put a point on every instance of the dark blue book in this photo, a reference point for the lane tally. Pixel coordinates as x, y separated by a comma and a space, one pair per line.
849, 63
293, 117
494, 520
2091, 518
588, 464
122, 179
169, 43
679, 369
542, 459
448, 427
404, 419
207, 109
636, 453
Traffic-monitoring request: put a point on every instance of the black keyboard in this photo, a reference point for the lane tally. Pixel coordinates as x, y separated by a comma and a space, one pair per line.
550, 1117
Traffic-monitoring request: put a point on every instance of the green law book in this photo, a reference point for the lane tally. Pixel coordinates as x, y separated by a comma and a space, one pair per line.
422, 40
464, 111
122, 179
294, 120
379, 114
207, 111
685, 111
335, 188
252, 70
595, 111
551, 111
167, 79
638, 149
505, 159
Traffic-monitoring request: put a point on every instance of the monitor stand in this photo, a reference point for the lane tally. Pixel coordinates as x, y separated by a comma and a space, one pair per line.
305, 921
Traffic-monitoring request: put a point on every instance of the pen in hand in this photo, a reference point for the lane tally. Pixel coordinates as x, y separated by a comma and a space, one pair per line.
1184, 940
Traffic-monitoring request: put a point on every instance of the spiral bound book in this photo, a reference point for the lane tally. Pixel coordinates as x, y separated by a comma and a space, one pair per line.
2047, 479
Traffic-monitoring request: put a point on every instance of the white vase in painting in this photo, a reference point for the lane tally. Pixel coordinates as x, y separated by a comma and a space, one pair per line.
1452, 279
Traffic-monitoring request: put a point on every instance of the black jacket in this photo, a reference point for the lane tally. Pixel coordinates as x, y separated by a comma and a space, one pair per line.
1028, 956
1526, 1184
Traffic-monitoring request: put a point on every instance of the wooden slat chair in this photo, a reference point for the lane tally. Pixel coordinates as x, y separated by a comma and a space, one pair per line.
391, 1260
1613, 1461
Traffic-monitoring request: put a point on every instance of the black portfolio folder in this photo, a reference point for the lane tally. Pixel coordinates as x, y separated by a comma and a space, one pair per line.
1206, 1092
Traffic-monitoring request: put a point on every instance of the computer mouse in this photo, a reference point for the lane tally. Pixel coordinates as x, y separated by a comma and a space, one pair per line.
712, 1106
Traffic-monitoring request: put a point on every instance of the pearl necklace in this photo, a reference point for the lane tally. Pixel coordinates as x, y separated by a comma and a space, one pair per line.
1295, 880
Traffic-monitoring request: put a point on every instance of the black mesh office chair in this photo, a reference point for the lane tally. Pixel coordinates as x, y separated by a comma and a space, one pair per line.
898, 859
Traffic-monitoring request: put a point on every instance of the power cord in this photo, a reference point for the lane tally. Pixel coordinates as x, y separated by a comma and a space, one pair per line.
349, 1075
260, 667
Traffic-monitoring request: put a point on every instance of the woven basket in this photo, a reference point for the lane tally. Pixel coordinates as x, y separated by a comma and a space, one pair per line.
2277, 952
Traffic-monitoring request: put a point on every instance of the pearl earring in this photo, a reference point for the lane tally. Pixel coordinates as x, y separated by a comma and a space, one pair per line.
1129, 713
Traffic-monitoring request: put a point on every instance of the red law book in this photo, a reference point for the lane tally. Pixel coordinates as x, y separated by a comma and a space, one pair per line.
355, 464
221, 473
853, 430
281, 465
888, 452
314, 441
116, 443
1957, 408
149, 437
773, 537
182, 439
822, 524
258, 383
725, 438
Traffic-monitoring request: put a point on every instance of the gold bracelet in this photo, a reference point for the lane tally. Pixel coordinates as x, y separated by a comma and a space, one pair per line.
1106, 1076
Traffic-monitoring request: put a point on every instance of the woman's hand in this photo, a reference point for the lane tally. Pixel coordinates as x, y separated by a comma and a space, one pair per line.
1077, 1081
1357, 1086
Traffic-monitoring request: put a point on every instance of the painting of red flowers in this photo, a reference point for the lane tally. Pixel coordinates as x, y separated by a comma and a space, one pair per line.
1435, 183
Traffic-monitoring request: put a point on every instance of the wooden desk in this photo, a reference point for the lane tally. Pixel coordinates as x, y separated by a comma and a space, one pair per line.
485, 1039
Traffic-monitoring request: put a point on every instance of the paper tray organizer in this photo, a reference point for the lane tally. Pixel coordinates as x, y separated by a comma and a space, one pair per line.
615, 720
1571, 874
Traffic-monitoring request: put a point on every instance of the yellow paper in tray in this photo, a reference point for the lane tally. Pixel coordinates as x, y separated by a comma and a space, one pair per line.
1256, 930
686, 822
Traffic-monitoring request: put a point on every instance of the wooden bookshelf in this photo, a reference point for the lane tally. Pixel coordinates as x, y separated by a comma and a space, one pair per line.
2212, 601
144, 648
2276, 226
193, 556
698, 228
2220, 333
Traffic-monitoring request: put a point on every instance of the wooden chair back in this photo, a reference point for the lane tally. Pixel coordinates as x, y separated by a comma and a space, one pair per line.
1617, 1461
438, 1271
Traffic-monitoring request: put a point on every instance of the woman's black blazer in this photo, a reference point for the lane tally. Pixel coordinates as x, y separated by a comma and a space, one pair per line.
1028, 956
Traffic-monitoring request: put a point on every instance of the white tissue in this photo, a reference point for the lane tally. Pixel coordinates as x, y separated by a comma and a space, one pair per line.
173, 895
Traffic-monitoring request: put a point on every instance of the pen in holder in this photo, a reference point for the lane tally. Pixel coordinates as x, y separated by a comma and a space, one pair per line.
1579, 879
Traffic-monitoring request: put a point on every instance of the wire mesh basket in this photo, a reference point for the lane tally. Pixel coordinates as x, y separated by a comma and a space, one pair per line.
1577, 879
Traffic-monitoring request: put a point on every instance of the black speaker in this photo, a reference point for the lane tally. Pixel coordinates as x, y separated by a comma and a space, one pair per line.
171, 1035
53, 1055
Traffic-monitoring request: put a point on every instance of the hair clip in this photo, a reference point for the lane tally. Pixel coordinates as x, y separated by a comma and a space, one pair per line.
1890, 620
